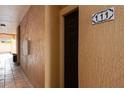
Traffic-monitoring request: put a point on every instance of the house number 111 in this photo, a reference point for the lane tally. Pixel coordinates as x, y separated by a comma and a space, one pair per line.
103, 16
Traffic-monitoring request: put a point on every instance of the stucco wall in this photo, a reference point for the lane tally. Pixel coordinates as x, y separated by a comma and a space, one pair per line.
52, 67
41, 27
101, 49
32, 28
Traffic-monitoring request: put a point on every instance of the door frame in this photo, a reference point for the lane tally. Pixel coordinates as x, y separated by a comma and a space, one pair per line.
63, 12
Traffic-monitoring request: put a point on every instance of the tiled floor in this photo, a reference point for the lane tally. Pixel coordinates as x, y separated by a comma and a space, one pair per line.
11, 76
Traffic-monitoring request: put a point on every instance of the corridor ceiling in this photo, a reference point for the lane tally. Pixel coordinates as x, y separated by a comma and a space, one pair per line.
11, 15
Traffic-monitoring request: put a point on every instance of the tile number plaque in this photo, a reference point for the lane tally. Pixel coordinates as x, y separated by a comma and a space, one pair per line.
103, 16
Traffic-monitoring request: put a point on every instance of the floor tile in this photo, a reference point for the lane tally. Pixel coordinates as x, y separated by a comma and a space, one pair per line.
12, 76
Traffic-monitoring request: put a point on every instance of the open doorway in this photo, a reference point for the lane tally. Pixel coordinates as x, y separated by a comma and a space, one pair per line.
10, 19
7, 43
71, 50
8, 46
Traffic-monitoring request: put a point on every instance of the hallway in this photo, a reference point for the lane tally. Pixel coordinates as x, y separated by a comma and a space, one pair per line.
11, 76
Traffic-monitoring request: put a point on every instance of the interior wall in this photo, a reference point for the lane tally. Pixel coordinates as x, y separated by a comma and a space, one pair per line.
52, 67
101, 49
32, 28
41, 27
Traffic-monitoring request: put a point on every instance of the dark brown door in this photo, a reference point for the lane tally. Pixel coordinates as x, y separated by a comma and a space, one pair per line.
71, 50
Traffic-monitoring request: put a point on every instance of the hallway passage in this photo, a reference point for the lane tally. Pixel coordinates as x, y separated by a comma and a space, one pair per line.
11, 76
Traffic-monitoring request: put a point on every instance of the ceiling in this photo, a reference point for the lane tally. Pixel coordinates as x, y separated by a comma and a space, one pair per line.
11, 15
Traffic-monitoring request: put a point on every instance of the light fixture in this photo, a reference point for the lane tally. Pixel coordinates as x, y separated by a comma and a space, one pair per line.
2, 24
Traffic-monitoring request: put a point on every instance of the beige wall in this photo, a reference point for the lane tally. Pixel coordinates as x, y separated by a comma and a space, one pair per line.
52, 64
41, 27
33, 29
101, 49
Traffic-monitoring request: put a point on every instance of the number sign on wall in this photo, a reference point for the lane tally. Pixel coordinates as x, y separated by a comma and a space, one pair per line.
103, 16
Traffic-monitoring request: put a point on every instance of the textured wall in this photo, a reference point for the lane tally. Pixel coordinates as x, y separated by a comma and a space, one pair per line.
41, 27
52, 66
33, 29
101, 49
